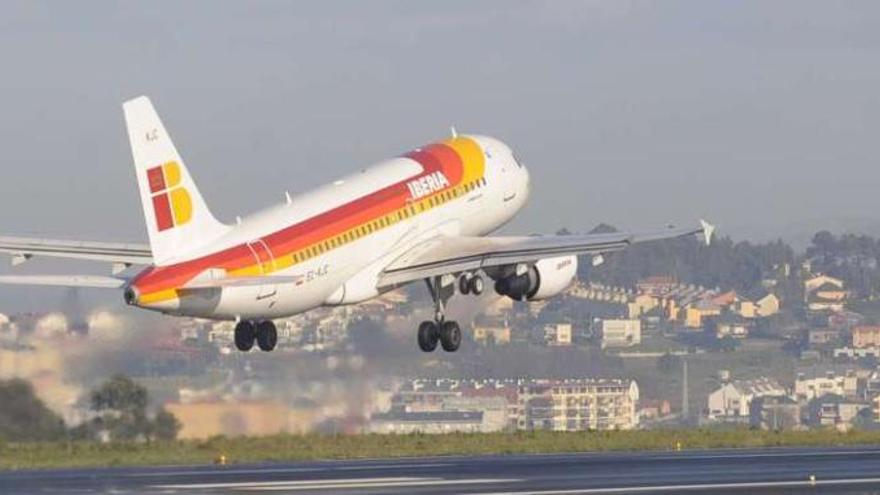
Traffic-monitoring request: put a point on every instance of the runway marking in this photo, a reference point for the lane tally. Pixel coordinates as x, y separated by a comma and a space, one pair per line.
163, 474
704, 486
735, 455
239, 484
390, 466
234, 471
329, 484
398, 484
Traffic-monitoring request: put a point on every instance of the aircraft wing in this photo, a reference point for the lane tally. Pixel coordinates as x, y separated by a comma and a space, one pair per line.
24, 248
443, 255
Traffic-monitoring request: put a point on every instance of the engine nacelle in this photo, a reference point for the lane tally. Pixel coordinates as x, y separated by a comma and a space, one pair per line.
546, 278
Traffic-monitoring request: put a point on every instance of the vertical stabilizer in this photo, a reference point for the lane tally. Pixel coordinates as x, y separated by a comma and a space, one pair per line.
178, 220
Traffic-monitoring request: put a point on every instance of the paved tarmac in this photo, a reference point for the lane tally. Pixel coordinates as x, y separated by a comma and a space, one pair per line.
776, 471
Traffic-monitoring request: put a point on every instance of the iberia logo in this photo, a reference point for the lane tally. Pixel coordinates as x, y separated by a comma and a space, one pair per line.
171, 201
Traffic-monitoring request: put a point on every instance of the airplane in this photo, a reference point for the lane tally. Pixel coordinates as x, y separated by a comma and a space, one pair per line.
425, 215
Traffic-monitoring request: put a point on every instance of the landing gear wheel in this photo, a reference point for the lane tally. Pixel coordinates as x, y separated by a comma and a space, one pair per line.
244, 335
476, 285
428, 336
450, 336
464, 284
267, 335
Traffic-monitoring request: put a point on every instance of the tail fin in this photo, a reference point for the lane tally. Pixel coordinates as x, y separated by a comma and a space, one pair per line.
178, 221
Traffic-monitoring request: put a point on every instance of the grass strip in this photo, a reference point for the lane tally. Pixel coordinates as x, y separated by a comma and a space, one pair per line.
40, 455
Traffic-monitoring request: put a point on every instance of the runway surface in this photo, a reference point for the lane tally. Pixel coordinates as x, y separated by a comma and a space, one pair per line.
835, 470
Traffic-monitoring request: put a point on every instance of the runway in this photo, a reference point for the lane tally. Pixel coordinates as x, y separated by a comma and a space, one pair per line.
819, 470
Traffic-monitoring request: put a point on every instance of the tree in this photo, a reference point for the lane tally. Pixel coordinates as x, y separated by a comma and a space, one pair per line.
120, 394
668, 363
727, 344
165, 425
24, 417
122, 407
738, 265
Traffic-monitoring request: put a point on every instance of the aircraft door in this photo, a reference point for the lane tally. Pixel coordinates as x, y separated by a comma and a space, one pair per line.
506, 177
266, 262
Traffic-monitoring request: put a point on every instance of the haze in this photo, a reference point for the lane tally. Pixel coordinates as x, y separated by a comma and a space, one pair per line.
762, 116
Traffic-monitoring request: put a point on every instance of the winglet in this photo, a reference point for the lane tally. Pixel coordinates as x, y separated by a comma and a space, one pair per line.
707, 230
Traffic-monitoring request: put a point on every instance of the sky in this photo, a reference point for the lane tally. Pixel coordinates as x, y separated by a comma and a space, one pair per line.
760, 116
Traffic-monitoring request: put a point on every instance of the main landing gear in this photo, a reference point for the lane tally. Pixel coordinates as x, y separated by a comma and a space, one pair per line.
471, 284
262, 332
447, 333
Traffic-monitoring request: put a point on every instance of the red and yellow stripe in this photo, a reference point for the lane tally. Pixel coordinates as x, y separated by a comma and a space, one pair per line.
460, 159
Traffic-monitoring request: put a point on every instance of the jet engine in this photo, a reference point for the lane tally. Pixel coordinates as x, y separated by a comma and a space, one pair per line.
544, 279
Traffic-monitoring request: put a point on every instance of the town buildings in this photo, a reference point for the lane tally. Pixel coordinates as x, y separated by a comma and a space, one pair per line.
429, 422
578, 404
432, 406
497, 333
621, 333
834, 411
810, 385
559, 334
824, 293
775, 412
733, 400
864, 336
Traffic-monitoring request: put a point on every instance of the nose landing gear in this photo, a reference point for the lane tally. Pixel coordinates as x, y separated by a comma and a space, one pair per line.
263, 333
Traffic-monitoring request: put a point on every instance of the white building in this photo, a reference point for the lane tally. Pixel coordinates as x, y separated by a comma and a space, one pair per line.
851, 353
621, 333
558, 334
808, 387
578, 405
428, 422
733, 400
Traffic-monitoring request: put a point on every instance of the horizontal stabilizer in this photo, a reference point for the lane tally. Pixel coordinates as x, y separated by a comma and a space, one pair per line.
24, 248
95, 281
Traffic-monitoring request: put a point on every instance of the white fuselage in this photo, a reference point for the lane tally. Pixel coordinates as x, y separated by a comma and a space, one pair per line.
349, 273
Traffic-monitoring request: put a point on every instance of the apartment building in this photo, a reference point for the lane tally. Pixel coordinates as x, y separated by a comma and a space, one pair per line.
809, 386
559, 334
578, 404
621, 333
